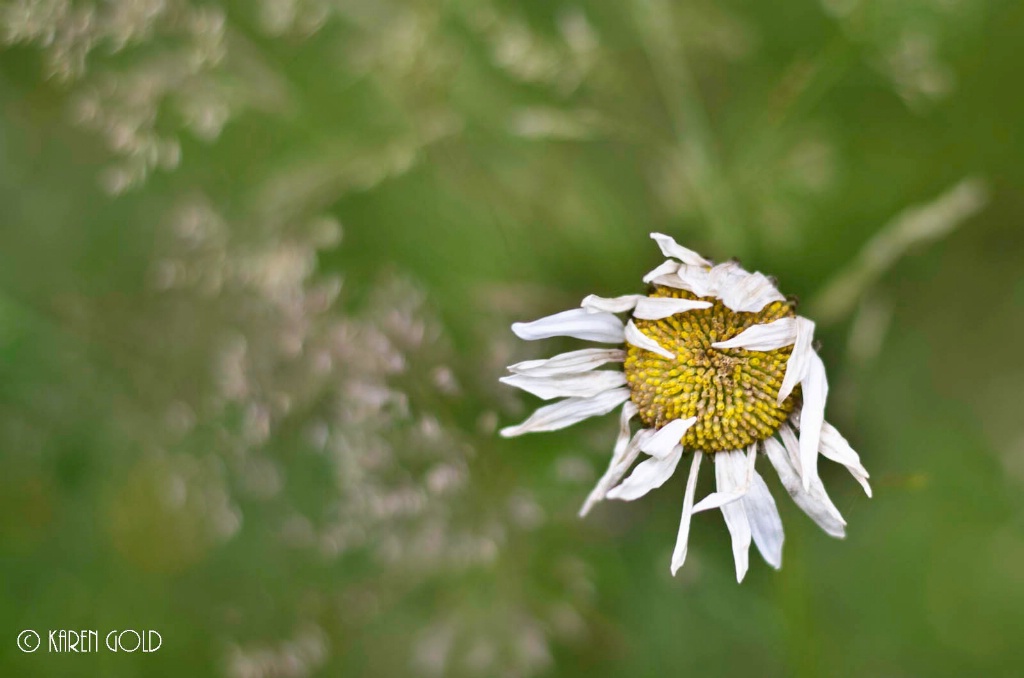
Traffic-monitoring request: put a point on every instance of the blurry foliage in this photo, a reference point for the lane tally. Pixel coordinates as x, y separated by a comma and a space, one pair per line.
258, 264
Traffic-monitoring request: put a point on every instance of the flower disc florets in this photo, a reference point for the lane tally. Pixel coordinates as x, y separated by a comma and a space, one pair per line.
731, 391
715, 361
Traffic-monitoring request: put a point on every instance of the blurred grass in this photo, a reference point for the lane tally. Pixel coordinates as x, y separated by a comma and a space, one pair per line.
507, 159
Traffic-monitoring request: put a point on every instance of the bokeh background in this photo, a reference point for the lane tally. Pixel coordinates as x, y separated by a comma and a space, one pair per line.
258, 259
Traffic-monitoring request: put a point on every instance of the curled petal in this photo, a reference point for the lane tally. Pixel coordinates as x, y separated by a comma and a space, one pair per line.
637, 338
567, 412
769, 337
765, 523
799, 360
835, 447
648, 475
670, 248
812, 416
683, 537
577, 323
665, 268
656, 308
668, 436
582, 385
623, 455
814, 502
730, 470
626, 302
569, 363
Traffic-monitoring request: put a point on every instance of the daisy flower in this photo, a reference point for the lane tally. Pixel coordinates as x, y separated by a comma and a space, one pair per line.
715, 363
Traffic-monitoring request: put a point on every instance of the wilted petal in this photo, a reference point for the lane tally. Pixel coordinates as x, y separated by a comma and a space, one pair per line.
577, 323
774, 335
626, 302
670, 248
656, 308
582, 385
683, 538
623, 455
765, 523
696, 279
719, 499
749, 292
730, 468
666, 267
567, 412
569, 363
799, 360
648, 475
637, 338
835, 447
668, 436
815, 502
812, 416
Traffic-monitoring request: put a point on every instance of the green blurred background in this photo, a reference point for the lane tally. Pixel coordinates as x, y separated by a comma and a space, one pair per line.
258, 259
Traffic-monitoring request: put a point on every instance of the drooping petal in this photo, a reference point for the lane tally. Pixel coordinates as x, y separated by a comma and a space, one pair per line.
812, 416
626, 302
664, 268
683, 538
719, 499
577, 323
623, 455
696, 279
582, 385
569, 363
567, 412
815, 503
648, 475
637, 338
796, 366
835, 447
730, 468
774, 335
656, 308
765, 523
670, 248
668, 436
749, 292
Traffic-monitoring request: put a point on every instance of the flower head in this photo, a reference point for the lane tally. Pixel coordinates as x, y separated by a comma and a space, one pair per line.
716, 363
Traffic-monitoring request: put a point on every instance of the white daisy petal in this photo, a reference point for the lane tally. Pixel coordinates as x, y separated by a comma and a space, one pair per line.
765, 523
582, 385
656, 308
665, 268
719, 499
668, 436
683, 538
749, 292
696, 279
796, 366
577, 323
730, 467
648, 475
815, 503
623, 455
670, 248
567, 412
812, 416
626, 302
774, 335
637, 338
569, 363
835, 447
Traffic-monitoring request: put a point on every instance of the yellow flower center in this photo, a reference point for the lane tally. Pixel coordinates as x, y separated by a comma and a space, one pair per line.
732, 392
